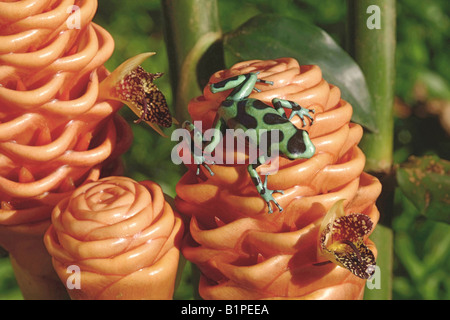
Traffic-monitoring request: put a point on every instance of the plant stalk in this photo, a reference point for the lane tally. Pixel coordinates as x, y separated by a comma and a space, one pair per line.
191, 29
374, 51
371, 41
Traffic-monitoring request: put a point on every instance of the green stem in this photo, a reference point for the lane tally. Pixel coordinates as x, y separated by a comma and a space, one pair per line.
191, 29
371, 41
374, 51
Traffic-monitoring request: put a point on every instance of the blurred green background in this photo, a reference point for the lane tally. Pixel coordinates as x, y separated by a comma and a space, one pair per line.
422, 116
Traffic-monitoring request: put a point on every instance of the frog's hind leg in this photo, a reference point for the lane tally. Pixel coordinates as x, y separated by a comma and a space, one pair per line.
279, 107
281, 104
196, 147
261, 187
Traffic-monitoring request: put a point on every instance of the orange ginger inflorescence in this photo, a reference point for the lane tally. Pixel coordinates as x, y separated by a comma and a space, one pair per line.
122, 235
245, 253
55, 132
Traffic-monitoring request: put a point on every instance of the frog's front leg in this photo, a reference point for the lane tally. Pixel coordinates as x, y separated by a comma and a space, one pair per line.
280, 104
262, 189
218, 130
262, 81
196, 147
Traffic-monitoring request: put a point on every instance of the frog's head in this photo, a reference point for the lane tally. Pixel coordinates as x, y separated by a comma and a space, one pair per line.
248, 80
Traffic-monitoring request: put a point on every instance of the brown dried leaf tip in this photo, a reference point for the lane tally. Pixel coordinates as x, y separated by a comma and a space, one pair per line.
134, 86
342, 241
138, 88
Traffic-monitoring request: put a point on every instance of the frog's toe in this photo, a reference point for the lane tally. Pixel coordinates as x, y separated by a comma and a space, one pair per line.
280, 209
208, 168
310, 116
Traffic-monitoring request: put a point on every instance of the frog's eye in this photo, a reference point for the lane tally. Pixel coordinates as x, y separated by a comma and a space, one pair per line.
341, 240
133, 86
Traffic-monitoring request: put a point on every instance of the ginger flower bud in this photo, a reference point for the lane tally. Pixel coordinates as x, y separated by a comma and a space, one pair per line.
342, 241
133, 86
121, 235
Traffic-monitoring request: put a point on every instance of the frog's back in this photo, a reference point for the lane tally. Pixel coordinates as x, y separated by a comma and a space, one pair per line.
265, 115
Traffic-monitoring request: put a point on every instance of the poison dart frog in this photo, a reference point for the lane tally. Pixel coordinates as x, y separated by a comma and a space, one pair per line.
238, 111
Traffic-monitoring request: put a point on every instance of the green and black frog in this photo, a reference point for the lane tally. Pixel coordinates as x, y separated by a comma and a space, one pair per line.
238, 111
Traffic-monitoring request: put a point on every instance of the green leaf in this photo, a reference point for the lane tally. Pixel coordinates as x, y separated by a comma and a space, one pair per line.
426, 183
436, 85
270, 36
